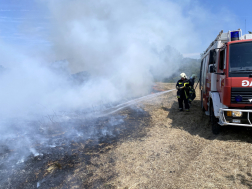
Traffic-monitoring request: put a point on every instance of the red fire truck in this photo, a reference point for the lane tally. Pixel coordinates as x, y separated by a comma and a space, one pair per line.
226, 80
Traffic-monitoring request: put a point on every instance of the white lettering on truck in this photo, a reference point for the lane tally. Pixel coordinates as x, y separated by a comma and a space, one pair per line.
245, 83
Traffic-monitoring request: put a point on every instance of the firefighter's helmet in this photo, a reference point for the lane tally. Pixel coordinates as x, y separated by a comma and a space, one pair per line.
183, 75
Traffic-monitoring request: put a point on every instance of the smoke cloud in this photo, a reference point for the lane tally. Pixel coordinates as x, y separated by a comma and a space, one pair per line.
122, 46
127, 43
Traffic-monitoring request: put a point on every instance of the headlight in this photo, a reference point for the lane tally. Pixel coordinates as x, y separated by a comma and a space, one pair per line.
236, 113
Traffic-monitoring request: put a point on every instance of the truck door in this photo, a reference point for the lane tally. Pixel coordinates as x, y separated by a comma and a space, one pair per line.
220, 73
204, 81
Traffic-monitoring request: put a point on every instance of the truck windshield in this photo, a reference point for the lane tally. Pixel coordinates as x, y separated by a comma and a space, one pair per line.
240, 57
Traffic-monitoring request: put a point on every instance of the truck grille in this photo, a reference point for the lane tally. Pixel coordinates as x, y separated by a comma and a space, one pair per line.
246, 94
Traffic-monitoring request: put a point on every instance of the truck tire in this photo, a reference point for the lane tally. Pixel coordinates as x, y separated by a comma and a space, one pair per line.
214, 121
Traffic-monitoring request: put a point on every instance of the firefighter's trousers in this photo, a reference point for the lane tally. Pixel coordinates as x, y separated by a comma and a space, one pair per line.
182, 99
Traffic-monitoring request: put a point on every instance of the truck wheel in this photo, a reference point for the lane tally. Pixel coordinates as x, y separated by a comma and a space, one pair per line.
214, 122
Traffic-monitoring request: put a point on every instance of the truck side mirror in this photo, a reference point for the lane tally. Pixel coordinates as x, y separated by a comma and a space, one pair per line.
212, 68
212, 56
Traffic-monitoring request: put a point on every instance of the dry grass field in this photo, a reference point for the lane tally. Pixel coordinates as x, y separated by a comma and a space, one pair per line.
176, 150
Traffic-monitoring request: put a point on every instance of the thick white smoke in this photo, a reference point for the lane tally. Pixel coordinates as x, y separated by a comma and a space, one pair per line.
127, 43
122, 45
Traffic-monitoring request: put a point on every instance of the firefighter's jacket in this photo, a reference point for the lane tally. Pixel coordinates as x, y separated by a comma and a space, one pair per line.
183, 87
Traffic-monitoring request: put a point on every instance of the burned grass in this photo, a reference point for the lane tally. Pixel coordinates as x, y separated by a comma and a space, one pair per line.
53, 167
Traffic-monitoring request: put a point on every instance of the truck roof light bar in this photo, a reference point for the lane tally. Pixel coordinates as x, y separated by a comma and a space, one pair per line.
235, 35
226, 37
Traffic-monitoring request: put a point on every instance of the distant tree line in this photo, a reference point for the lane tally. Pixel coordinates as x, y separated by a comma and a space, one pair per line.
189, 66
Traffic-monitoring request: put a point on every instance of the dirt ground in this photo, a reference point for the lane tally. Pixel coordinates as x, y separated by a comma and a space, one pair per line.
177, 150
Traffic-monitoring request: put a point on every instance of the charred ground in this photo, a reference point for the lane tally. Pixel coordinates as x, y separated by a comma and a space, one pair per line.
52, 167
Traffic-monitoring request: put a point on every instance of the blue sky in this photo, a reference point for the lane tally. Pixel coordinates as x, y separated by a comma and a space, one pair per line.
23, 23
28, 23
240, 9
222, 15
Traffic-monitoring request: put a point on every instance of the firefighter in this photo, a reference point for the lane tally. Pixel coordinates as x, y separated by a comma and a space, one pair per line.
183, 92
192, 93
